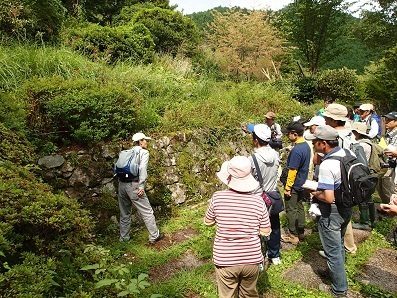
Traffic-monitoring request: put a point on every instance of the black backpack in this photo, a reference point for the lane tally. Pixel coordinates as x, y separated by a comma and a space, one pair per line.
357, 182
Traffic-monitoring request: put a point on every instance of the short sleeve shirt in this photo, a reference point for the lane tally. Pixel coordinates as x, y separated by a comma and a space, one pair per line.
299, 159
329, 176
238, 217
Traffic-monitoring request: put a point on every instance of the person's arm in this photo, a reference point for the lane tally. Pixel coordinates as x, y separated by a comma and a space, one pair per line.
290, 181
326, 195
373, 132
143, 163
209, 219
278, 131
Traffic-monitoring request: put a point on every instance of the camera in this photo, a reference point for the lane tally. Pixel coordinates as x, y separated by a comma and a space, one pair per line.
390, 163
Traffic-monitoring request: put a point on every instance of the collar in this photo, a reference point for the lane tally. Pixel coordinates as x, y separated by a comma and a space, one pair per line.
336, 149
300, 140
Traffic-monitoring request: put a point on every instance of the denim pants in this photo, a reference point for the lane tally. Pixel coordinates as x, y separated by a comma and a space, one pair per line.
332, 227
127, 197
273, 245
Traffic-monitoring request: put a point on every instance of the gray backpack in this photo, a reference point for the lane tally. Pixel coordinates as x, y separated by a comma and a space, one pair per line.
127, 165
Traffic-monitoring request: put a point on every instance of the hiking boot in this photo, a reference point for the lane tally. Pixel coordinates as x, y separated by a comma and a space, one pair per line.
275, 261
290, 238
323, 272
159, 237
360, 226
327, 289
301, 237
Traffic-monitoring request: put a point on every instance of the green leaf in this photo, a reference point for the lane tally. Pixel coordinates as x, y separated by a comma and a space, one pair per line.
142, 276
143, 284
156, 296
2, 254
123, 293
104, 282
89, 267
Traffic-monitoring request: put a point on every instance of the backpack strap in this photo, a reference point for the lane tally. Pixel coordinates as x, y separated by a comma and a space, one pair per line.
258, 170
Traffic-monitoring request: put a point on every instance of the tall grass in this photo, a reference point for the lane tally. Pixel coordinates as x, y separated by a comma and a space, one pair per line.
19, 63
172, 96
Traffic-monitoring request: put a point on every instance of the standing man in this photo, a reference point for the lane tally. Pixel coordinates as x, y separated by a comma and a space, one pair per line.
270, 118
241, 218
335, 116
334, 219
132, 192
366, 111
268, 161
298, 168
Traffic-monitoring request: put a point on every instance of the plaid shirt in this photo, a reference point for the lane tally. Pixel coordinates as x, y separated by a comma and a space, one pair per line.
391, 137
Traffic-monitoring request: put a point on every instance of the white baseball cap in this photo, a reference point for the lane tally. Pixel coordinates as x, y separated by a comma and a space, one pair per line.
262, 131
316, 120
139, 136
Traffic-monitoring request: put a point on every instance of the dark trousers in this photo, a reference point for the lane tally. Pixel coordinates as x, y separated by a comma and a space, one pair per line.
295, 212
273, 245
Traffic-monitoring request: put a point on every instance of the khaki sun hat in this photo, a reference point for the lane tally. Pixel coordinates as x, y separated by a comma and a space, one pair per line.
360, 127
336, 111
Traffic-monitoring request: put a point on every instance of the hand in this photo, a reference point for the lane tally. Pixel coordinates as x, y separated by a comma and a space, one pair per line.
287, 193
140, 192
391, 152
392, 209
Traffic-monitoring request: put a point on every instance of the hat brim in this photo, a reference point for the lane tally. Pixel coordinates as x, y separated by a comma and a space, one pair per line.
326, 114
310, 137
245, 184
309, 123
360, 132
389, 117
285, 130
251, 127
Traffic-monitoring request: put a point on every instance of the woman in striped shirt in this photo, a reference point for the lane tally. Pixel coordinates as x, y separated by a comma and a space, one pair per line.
241, 217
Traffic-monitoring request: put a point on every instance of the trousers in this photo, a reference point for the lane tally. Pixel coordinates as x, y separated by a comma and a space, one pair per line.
127, 196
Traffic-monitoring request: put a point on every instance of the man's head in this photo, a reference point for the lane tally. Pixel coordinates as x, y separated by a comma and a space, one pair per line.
335, 115
356, 107
324, 139
269, 118
327, 101
261, 134
294, 130
359, 129
391, 120
365, 110
314, 122
139, 139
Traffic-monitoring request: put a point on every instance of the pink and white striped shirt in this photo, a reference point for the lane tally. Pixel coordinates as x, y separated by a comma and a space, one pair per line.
238, 216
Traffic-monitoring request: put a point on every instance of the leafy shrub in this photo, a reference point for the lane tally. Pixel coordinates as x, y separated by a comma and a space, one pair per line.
340, 84
110, 44
81, 110
33, 278
37, 221
306, 89
14, 148
170, 29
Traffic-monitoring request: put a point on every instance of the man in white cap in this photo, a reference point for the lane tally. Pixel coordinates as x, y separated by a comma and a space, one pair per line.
268, 161
315, 157
335, 115
365, 113
132, 192
334, 218
241, 217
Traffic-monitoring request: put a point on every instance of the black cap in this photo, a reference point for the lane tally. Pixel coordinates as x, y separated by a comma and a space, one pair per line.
357, 105
391, 115
295, 126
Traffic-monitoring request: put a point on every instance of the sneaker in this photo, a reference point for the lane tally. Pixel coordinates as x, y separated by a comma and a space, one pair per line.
327, 289
275, 261
159, 237
290, 238
322, 253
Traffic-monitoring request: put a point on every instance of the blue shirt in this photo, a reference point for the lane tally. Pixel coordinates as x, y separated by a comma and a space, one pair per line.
299, 159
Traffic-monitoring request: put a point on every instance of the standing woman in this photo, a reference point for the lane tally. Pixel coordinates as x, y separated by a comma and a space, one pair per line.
241, 217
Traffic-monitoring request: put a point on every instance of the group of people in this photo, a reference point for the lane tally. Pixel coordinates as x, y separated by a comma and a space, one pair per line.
242, 216
318, 144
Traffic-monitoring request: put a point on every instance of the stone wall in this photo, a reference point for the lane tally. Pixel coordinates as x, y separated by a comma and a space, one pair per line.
182, 166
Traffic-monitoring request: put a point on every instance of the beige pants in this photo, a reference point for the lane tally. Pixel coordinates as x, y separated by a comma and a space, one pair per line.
350, 246
237, 281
